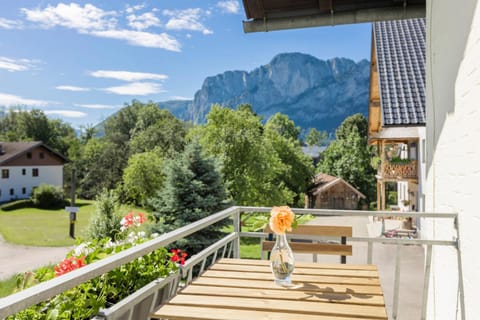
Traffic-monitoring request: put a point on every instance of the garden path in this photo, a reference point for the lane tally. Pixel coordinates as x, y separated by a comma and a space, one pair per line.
18, 259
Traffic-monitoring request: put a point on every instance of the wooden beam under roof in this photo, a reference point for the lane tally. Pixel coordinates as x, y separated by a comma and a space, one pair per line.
269, 15
374, 106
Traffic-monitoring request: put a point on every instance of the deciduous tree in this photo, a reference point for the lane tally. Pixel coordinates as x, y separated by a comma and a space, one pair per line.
143, 177
315, 137
250, 162
349, 155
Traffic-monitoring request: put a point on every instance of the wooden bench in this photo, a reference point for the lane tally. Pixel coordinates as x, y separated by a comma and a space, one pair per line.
315, 247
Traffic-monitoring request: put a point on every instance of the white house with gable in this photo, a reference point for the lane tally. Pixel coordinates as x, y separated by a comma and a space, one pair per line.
26, 165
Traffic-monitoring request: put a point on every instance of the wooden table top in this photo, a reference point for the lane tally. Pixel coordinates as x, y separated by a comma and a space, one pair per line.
237, 289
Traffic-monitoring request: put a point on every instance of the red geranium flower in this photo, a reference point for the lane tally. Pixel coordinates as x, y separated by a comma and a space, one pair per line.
178, 256
68, 265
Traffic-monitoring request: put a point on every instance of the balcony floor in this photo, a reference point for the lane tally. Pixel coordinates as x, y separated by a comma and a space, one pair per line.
412, 272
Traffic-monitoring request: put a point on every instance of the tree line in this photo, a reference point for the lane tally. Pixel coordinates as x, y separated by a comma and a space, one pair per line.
260, 163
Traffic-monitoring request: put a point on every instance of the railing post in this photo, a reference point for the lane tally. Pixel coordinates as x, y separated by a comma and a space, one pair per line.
460, 270
426, 281
369, 252
396, 285
237, 229
343, 259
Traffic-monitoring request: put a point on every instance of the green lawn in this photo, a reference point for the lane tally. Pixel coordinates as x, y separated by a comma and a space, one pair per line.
38, 227
7, 286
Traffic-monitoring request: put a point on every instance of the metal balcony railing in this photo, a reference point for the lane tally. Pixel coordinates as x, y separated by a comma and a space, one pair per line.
229, 246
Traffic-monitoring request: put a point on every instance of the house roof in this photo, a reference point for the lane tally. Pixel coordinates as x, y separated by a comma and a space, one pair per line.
400, 53
12, 150
268, 15
323, 182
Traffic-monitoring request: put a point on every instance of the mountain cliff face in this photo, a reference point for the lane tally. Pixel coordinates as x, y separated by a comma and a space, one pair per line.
312, 92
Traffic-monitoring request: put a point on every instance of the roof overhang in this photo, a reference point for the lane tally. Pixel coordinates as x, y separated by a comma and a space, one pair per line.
270, 15
396, 133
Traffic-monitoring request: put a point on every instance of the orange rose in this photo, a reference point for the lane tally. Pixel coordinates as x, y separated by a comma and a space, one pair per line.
281, 219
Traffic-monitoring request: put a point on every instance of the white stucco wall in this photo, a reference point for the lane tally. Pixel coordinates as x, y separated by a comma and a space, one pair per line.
52, 175
453, 135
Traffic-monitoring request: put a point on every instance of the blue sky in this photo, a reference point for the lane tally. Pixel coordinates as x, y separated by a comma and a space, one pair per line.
83, 60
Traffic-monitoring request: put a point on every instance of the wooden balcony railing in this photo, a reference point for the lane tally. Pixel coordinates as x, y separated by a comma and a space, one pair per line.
399, 171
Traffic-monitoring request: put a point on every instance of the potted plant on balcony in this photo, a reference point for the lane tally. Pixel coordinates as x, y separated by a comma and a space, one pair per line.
398, 160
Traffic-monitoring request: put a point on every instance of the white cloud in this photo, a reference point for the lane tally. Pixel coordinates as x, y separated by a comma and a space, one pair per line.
10, 24
141, 38
66, 113
180, 98
132, 9
13, 100
94, 21
143, 21
229, 6
71, 16
13, 65
136, 89
128, 75
72, 88
97, 106
188, 19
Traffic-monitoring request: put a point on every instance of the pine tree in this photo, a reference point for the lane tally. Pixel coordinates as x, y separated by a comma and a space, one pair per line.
193, 190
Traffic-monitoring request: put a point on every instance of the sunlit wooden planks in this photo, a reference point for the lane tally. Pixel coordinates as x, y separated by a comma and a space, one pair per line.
325, 295
269, 284
203, 313
314, 278
244, 289
299, 270
266, 263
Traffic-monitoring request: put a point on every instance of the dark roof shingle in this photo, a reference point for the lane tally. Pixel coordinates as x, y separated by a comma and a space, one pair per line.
400, 49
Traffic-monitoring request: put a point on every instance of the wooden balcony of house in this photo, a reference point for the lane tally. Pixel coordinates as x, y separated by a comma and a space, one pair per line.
216, 284
401, 169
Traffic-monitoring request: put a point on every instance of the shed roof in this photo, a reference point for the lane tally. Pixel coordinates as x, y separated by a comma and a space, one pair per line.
400, 50
323, 182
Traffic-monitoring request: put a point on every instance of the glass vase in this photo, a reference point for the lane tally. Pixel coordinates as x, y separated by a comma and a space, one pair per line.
282, 261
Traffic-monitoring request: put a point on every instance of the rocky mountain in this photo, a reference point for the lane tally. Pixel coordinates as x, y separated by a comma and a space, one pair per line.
179, 108
312, 92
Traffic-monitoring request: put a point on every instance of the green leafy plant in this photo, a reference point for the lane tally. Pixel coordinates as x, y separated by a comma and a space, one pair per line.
48, 197
105, 221
85, 300
398, 160
376, 162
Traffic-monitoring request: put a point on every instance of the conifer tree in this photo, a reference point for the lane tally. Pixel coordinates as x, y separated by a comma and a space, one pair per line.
193, 190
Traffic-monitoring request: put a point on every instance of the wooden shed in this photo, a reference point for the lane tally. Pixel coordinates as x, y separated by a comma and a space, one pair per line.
329, 192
